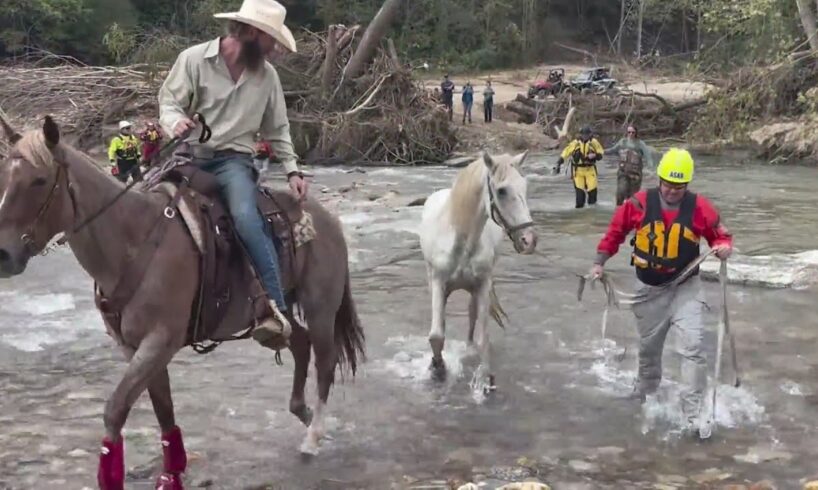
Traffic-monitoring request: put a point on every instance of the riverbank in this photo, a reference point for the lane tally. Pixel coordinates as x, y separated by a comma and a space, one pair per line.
507, 134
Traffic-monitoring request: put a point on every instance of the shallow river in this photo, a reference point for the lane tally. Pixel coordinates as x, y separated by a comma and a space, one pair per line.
559, 413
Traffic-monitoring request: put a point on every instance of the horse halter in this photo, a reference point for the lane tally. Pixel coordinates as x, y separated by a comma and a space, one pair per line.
498, 218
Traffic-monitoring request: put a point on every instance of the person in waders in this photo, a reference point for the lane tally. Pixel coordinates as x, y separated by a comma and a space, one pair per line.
447, 91
123, 153
633, 153
669, 222
584, 152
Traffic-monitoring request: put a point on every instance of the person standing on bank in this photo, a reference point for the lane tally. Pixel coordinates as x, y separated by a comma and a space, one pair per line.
584, 152
229, 82
488, 102
633, 154
669, 222
468, 101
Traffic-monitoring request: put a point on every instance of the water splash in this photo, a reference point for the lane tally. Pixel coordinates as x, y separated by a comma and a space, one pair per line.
662, 411
792, 388
414, 356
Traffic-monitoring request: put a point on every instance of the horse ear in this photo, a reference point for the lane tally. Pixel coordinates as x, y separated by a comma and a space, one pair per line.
488, 160
51, 132
11, 135
520, 159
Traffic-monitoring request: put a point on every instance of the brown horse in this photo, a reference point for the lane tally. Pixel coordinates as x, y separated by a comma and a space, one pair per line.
47, 187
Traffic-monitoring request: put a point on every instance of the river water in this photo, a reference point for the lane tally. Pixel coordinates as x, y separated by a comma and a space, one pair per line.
558, 415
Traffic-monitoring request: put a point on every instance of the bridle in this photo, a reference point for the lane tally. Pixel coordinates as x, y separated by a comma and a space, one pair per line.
27, 237
498, 218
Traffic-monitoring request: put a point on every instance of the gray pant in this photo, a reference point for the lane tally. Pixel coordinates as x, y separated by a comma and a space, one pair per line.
681, 308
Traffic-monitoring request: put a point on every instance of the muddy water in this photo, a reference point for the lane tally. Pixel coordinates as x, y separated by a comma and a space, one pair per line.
558, 414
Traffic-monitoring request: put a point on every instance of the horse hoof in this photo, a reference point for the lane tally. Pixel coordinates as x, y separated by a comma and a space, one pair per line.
309, 449
438, 369
169, 481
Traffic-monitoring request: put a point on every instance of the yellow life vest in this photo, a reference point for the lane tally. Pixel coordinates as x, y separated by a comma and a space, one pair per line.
659, 252
578, 150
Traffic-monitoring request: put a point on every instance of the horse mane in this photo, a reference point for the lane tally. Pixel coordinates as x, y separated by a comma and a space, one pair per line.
467, 192
32, 148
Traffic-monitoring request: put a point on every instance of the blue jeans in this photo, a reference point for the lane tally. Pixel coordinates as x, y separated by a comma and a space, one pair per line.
237, 179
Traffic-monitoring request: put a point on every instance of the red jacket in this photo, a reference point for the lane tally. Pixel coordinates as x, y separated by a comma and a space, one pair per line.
628, 218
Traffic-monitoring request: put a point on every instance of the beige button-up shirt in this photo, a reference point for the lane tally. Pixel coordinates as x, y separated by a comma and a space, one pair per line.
235, 111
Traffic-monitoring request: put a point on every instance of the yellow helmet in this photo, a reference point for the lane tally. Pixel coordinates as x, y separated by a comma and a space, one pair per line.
676, 166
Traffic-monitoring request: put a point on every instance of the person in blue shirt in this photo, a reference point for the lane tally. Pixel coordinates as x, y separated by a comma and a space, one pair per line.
468, 101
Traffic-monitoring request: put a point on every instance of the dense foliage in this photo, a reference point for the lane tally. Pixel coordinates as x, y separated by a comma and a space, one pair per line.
455, 34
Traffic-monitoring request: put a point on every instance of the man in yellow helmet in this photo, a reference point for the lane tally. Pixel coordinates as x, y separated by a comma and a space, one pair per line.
669, 222
584, 152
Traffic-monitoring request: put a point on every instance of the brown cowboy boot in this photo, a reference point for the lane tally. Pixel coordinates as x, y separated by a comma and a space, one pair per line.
274, 331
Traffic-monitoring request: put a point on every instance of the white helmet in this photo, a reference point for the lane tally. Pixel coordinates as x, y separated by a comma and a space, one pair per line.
124, 124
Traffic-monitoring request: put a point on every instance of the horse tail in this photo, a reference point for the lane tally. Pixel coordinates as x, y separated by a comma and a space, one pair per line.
349, 336
496, 309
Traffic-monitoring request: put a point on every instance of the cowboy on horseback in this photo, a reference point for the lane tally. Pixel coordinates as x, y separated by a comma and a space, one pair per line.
230, 83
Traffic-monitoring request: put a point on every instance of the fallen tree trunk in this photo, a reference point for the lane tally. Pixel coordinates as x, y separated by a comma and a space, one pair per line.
373, 36
532, 103
393, 53
630, 112
527, 114
328, 68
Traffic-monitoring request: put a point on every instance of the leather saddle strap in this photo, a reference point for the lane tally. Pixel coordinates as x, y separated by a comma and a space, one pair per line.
291, 249
135, 267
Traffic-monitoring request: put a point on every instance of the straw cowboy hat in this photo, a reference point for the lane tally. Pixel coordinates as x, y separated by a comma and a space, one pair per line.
265, 15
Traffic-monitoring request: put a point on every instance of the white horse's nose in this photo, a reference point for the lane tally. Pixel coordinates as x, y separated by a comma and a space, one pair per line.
528, 241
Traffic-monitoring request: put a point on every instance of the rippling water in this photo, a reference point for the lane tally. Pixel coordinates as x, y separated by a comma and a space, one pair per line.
559, 402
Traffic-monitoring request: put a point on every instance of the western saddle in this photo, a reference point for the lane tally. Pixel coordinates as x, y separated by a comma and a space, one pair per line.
230, 295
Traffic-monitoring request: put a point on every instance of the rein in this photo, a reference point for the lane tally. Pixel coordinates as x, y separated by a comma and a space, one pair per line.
28, 237
498, 217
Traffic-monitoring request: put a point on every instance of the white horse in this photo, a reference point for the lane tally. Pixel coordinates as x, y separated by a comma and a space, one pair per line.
460, 235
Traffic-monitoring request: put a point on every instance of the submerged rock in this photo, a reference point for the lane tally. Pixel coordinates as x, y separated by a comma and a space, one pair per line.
528, 485
711, 476
763, 485
760, 454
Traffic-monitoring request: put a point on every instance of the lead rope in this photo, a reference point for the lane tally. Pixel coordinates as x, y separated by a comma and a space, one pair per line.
613, 293
706, 429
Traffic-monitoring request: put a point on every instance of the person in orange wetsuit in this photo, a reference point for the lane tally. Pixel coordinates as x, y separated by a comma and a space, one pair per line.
669, 222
